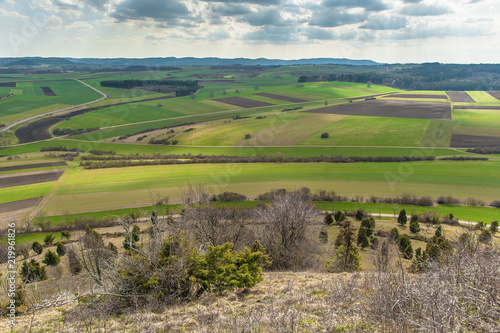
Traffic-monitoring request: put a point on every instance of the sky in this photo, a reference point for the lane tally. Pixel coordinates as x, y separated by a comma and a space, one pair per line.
398, 31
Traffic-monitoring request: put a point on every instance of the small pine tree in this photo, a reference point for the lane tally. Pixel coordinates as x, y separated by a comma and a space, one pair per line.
61, 249
49, 239
414, 218
66, 234
37, 247
394, 234
328, 219
32, 271
405, 247
369, 225
494, 227
402, 219
414, 227
360, 214
346, 257
363, 240
485, 236
339, 217
75, 266
51, 259
439, 232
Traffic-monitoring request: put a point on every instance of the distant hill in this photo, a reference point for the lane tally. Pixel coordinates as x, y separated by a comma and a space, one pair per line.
172, 61
190, 61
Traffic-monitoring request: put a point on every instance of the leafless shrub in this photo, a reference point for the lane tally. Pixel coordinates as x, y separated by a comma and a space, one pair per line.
474, 202
285, 230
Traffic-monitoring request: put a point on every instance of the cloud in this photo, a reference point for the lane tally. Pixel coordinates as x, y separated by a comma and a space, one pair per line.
80, 25
255, 2
273, 34
336, 18
424, 10
11, 14
371, 5
230, 9
140, 10
385, 22
319, 34
97, 4
413, 1
264, 17
218, 34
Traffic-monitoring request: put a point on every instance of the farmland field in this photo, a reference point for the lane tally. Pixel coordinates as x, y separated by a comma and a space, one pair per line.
240, 114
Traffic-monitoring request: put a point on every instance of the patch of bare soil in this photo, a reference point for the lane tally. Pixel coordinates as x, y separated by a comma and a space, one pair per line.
472, 141
460, 96
283, 98
385, 108
242, 102
20, 204
423, 96
32, 166
28, 179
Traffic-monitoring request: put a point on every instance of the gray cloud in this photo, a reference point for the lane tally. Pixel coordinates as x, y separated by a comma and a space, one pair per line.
230, 9
371, 5
385, 22
412, 1
336, 18
319, 34
424, 10
98, 4
255, 2
166, 11
264, 17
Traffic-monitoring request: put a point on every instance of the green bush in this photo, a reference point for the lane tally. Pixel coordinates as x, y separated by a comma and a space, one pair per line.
328, 219
32, 271
61, 249
325, 135
37, 247
49, 239
51, 259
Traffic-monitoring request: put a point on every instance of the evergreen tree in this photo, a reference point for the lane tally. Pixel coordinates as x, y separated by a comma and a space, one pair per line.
394, 234
369, 225
323, 235
402, 219
339, 217
346, 257
363, 240
32, 271
37, 247
51, 259
61, 249
328, 219
494, 227
405, 247
49, 238
414, 227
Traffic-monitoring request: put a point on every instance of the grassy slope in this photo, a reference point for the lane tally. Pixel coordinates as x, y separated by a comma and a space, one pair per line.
114, 188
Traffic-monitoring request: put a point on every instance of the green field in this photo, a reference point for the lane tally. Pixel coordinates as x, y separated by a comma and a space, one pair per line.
103, 189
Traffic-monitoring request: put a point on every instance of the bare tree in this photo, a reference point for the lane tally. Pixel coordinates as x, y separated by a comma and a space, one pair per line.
286, 221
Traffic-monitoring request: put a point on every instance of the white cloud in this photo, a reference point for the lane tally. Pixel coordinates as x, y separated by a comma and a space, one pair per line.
80, 25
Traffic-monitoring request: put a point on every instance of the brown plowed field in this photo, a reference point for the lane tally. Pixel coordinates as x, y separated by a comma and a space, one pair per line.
32, 166
472, 141
30, 179
474, 107
242, 102
48, 92
283, 98
423, 96
39, 129
460, 96
8, 84
17, 205
385, 108
495, 94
